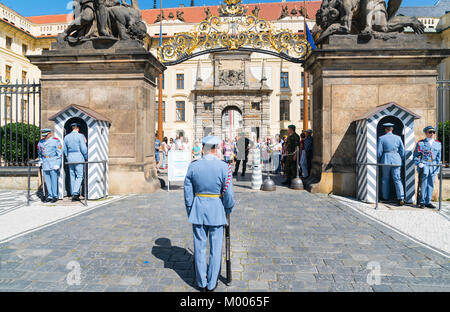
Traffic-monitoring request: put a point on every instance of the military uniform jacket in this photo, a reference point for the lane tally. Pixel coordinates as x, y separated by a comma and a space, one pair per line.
292, 142
208, 175
50, 153
390, 149
428, 153
75, 148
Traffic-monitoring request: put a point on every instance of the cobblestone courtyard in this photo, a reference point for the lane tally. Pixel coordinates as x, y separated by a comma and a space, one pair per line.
281, 241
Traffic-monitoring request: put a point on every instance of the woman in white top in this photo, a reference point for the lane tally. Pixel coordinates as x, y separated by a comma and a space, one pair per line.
165, 150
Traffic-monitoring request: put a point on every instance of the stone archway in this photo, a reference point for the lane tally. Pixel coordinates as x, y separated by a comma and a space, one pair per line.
232, 122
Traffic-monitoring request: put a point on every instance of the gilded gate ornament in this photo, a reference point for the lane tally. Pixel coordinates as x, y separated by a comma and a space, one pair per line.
234, 30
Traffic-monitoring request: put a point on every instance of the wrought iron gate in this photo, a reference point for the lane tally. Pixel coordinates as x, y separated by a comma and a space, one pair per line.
20, 122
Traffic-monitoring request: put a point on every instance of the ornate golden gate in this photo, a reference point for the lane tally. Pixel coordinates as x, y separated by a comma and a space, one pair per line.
234, 29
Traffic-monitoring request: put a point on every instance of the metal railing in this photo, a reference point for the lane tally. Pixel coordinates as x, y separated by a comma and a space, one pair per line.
85, 177
20, 122
386, 165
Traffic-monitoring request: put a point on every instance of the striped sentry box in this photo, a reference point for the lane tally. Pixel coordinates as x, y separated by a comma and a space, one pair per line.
98, 147
366, 150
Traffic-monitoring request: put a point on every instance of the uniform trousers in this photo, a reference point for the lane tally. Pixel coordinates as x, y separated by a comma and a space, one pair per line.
207, 277
427, 185
76, 178
385, 183
51, 182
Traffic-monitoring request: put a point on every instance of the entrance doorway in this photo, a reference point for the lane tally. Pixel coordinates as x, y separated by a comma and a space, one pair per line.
398, 130
231, 122
67, 130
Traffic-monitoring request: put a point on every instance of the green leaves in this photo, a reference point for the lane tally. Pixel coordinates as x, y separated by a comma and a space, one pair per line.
19, 142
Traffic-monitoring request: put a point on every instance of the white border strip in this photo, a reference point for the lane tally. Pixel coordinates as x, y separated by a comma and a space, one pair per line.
60, 220
341, 200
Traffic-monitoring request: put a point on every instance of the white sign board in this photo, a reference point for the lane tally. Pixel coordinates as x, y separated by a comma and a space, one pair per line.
178, 165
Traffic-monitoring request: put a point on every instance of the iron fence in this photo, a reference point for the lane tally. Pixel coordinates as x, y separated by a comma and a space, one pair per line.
20, 122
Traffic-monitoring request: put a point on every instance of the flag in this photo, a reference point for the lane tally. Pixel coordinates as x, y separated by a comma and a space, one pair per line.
310, 38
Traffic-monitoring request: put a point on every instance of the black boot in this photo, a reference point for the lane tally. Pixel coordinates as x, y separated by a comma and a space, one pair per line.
75, 198
54, 200
287, 182
430, 205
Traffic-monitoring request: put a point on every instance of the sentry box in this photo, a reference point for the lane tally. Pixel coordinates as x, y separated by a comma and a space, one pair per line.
368, 129
95, 128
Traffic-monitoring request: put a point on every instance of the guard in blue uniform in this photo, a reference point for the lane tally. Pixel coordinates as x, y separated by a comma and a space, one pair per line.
75, 150
208, 195
50, 154
391, 151
426, 153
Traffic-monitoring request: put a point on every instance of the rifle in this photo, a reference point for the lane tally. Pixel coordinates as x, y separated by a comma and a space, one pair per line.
44, 191
228, 250
419, 187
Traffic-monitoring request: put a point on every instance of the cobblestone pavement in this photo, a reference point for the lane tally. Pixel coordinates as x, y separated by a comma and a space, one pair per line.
10, 200
281, 241
445, 209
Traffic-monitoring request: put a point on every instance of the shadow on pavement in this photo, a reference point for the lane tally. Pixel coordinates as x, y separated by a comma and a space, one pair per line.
176, 258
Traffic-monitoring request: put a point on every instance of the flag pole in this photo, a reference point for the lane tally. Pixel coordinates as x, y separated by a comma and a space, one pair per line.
160, 88
305, 77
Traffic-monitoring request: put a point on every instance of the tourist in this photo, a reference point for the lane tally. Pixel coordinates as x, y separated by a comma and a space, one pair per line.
186, 146
243, 148
309, 150
292, 143
157, 150
165, 150
197, 150
283, 153
277, 149
227, 149
171, 146
179, 143
303, 160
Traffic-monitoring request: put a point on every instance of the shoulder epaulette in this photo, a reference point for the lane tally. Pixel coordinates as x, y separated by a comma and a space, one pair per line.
56, 138
437, 141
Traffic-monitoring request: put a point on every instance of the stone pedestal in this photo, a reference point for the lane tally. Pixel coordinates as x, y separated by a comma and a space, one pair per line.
118, 80
350, 78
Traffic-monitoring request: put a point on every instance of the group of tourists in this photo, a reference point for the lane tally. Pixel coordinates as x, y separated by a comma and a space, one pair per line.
50, 152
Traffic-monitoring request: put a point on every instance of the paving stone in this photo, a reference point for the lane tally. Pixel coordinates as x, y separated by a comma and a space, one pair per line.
281, 241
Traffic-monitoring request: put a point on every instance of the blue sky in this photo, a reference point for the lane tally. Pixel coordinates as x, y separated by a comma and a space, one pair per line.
34, 7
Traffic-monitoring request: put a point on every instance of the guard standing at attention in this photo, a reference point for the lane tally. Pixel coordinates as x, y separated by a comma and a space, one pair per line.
208, 195
391, 151
75, 150
50, 154
290, 168
428, 152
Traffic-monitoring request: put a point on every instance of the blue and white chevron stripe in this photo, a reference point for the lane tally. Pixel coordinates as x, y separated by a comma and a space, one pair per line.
366, 146
98, 150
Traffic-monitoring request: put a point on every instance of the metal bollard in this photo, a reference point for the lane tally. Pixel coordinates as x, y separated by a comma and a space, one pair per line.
296, 183
268, 184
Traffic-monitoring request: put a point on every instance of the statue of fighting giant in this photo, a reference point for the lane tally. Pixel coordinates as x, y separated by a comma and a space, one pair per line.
368, 18
105, 19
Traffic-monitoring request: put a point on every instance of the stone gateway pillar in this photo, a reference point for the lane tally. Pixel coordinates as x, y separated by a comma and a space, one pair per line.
116, 78
350, 79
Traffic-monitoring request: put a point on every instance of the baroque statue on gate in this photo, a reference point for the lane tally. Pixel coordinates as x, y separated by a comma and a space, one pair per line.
367, 18
106, 19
